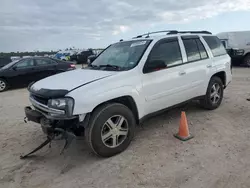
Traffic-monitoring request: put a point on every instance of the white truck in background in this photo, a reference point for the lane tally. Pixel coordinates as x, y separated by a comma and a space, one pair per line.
237, 44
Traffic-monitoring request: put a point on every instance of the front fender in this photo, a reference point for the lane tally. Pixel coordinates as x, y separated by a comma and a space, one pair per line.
85, 103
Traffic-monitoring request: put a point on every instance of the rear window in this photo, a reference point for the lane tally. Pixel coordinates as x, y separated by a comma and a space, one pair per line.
215, 45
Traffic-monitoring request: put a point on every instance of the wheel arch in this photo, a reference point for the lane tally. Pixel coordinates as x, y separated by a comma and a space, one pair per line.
221, 75
126, 101
246, 54
4, 78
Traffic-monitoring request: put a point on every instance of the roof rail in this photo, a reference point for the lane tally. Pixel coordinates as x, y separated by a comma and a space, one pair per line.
171, 32
192, 32
149, 33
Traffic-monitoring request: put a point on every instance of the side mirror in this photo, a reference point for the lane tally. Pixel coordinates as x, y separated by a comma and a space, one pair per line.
154, 65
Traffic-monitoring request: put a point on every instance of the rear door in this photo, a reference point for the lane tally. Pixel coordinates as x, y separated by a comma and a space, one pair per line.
197, 65
45, 67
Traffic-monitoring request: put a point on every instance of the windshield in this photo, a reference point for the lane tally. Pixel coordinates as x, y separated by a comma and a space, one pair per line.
123, 55
9, 65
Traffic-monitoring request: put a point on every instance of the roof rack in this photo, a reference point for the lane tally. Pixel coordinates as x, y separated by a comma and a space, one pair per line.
149, 33
192, 32
172, 32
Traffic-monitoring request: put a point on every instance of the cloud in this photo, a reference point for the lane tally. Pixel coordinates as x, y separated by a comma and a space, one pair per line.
120, 29
50, 24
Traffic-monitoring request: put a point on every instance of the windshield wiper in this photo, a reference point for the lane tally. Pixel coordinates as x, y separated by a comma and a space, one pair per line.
93, 66
111, 66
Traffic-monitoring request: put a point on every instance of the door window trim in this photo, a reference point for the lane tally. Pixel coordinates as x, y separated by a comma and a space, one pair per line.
195, 38
22, 68
211, 49
170, 39
37, 65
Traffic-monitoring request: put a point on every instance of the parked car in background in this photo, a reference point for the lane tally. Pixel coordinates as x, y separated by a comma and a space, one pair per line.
91, 58
63, 55
4, 61
22, 72
237, 45
82, 57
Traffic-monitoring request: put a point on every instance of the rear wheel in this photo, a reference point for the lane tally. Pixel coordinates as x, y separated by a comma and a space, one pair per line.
246, 60
110, 130
214, 95
3, 85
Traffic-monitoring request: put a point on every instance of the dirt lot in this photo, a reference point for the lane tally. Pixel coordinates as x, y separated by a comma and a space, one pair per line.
218, 155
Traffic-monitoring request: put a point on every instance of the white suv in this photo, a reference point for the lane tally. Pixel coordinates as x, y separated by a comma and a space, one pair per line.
127, 82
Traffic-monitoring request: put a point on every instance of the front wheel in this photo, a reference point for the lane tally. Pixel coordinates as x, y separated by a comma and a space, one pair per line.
110, 130
3, 85
214, 95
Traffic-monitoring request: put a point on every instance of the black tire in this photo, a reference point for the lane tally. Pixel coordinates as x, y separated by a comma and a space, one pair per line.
94, 129
3, 83
246, 60
208, 102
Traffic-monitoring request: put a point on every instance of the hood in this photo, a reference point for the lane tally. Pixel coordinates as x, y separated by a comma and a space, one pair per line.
71, 79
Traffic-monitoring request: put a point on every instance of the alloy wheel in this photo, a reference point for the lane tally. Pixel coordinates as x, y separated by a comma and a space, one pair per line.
215, 93
114, 131
2, 85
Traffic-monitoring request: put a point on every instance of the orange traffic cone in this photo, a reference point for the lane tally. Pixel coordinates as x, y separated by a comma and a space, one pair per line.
183, 133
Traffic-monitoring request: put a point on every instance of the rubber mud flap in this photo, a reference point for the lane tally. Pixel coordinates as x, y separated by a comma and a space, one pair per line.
32, 115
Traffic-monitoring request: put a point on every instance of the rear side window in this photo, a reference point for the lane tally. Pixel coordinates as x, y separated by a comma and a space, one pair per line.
194, 49
203, 52
41, 62
215, 45
167, 51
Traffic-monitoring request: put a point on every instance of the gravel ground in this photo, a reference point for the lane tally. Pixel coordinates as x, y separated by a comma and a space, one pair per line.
218, 155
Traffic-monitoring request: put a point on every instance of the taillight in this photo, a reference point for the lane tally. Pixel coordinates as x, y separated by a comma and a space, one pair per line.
72, 66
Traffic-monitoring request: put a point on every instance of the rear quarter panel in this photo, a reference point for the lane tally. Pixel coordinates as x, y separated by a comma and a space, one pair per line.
223, 64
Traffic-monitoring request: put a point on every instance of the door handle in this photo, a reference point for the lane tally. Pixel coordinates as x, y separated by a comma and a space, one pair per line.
209, 66
182, 73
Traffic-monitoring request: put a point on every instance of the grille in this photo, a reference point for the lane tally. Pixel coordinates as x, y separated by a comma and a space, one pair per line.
40, 99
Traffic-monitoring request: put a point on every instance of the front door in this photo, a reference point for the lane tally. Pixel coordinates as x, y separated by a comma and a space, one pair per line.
164, 87
23, 72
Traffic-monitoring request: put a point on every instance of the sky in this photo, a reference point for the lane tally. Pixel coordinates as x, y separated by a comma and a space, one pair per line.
31, 25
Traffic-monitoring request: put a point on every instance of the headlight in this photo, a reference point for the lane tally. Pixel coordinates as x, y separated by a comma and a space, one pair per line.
57, 103
66, 104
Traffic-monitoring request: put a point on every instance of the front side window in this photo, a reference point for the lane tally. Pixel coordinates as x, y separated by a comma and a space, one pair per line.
123, 55
215, 45
168, 52
25, 64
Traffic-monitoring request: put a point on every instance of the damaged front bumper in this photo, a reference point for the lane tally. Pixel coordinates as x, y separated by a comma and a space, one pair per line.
54, 129
54, 126
49, 123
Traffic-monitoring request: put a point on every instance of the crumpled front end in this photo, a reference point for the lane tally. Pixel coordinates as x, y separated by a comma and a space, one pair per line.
56, 119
